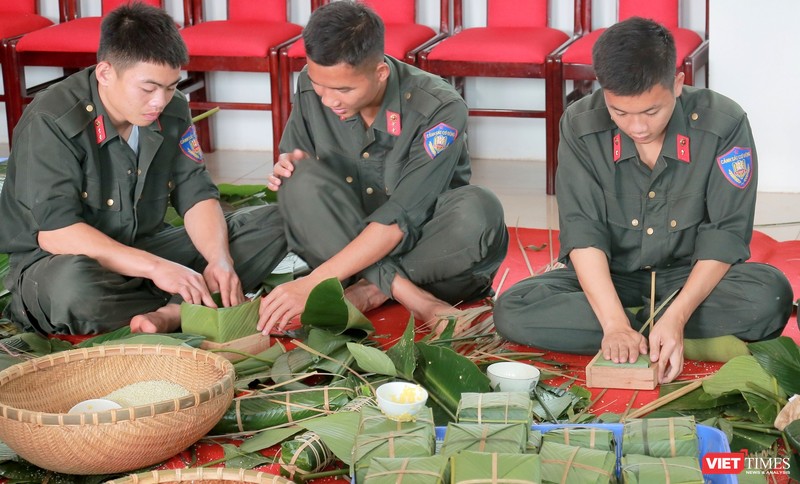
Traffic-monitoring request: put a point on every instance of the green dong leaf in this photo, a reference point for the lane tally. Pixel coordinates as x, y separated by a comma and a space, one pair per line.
327, 308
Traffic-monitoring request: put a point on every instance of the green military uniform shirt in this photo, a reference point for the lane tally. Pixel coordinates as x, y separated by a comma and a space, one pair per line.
69, 165
697, 203
415, 149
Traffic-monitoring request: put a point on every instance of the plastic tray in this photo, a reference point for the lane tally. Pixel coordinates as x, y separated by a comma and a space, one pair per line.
710, 440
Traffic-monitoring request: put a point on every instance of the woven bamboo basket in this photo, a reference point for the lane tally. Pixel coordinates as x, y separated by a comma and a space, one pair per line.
217, 475
36, 395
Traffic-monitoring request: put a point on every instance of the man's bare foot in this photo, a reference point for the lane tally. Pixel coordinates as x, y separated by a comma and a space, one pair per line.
165, 319
365, 295
425, 307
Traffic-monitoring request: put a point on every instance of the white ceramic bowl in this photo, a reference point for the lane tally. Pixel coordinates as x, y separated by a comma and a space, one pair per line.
94, 405
401, 401
512, 376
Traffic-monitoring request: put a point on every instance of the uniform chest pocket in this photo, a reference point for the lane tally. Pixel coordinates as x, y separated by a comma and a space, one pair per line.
101, 197
624, 211
686, 212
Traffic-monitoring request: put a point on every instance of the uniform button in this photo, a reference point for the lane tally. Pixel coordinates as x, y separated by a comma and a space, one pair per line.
349, 179
365, 155
84, 195
130, 172
110, 202
635, 222
695, 116
369, 190
683, 141
139, 171
170, 185
408, 96
89, 108
386, 189
673, 223
393, 117
650, 231
647, 268
652, 195
318, 158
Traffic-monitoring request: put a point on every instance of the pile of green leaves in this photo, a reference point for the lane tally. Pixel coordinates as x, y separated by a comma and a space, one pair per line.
744, 397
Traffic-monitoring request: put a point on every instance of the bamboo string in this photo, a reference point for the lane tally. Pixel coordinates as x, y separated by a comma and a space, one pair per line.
661, 401
652, 298
500, 286
630, 403
591, 404
522, 249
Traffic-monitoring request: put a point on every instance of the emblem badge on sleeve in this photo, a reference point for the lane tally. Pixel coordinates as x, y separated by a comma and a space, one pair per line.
438, 138
737, 166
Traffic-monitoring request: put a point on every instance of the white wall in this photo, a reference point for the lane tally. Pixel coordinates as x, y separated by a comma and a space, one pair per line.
754, 60
744, 66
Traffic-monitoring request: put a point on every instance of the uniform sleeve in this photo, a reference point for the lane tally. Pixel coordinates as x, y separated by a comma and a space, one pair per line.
426, 175
48, 175
730, 200
192, 182
581, 202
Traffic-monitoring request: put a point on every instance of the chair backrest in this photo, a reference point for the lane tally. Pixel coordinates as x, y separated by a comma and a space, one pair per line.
17, 6
262, 10
394, 11
665, 12
109, 5
507, 13
516, 13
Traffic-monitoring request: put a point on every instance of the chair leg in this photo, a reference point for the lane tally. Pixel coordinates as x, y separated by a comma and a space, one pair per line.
14, 85
203, 127
285, 82
554, 97
276, 100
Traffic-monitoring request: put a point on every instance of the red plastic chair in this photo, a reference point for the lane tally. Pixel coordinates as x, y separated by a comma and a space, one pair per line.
241, 43
514, 43
17, 17
574, 62
404, 38
71, 44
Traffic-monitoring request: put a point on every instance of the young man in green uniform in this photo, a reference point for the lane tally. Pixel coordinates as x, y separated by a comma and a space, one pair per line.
653, 176
374, 179
95, 160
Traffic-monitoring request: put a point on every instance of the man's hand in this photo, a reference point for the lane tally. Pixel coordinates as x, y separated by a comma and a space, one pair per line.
177, 279
283, 303
221, 277
623, 344
284, 168
666, 348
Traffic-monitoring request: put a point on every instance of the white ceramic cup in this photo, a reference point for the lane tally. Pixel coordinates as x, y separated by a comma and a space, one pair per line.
512, 376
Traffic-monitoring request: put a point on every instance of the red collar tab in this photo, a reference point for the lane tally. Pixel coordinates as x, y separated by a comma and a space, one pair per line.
617, 147
682, 148
393, 123
99, 129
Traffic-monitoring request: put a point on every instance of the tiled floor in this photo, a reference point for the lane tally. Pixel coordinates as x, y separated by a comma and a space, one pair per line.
519, 185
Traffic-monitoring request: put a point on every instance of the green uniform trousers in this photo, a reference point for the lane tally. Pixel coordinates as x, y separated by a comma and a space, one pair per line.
74, 294
753, 302
456, 257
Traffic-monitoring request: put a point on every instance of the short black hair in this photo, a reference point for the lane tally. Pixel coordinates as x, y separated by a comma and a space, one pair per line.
344, 31
138, 32
633, 56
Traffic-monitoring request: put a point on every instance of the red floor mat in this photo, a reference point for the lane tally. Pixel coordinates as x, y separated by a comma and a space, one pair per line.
530, 252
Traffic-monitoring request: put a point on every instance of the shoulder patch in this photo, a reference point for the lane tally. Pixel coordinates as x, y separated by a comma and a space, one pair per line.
438, 138
191, 146
737, 166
